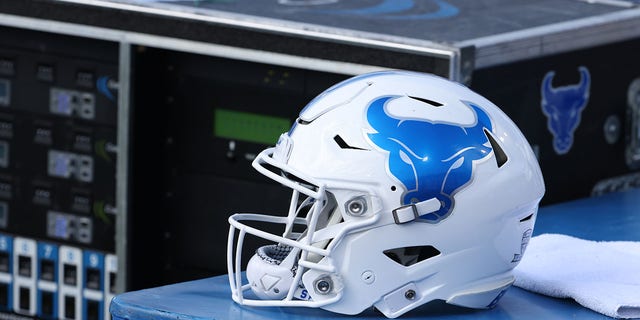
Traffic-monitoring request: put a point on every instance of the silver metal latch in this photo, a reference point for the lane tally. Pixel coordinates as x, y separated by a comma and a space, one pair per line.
410, 212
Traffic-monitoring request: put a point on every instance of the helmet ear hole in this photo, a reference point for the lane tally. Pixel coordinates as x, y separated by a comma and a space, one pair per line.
408, 256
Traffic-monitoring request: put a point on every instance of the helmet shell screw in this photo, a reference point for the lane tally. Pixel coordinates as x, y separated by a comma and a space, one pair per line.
356, 206
410, 294
323, 285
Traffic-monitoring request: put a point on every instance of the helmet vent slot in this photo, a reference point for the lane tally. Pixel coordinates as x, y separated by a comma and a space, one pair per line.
427, 101
501, 157
343, 144
409, 256
527, 218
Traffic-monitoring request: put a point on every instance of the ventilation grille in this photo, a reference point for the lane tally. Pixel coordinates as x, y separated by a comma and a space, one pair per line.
427, 101
409, 256
343, 144
527, 218
501, 157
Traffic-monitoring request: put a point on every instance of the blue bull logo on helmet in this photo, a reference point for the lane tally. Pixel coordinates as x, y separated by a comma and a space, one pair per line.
563, 108
431, 159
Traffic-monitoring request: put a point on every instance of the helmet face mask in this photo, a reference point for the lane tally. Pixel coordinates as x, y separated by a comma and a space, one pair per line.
406, 188
309, 230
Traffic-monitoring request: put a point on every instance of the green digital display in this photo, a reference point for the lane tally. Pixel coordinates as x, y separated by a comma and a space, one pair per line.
247, 126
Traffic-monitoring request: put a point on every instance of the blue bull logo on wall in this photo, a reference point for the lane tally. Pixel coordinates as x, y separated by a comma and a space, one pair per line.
563, 108
431, 159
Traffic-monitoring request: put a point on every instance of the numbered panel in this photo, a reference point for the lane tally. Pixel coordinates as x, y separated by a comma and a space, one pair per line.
47, 297
92, 293
24, 276
6, 273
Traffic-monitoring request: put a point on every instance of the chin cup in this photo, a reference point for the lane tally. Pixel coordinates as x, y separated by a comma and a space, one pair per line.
271, 271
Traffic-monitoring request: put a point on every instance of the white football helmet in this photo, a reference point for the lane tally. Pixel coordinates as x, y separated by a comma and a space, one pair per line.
407, 188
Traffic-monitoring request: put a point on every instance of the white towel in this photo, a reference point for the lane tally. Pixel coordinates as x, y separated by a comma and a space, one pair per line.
602, 276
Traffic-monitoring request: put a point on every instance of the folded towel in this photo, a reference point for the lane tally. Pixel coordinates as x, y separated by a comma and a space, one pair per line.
602, 276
